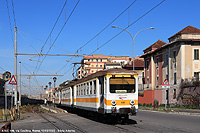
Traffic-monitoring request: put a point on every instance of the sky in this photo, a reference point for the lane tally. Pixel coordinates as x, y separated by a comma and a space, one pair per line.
83, 23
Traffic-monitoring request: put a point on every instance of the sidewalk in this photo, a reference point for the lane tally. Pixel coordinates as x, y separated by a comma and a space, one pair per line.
52, 109
173, 110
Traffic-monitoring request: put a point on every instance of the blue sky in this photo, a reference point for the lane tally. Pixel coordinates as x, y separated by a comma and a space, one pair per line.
37, 17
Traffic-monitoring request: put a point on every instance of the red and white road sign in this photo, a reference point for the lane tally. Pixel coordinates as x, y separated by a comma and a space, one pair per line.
13, 81
165, 84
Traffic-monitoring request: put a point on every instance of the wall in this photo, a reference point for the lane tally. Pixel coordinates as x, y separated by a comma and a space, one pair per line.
147, 98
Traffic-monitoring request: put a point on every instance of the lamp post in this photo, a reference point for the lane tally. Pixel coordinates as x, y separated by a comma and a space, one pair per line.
132, 38
54, 79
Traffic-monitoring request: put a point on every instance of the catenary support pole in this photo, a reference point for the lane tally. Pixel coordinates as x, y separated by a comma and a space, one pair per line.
16, 65
19, 83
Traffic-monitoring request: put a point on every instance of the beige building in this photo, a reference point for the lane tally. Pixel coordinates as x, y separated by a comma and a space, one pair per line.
94, 63
175, 61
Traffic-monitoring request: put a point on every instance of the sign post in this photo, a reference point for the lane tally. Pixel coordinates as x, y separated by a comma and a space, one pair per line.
12, 82
165, 85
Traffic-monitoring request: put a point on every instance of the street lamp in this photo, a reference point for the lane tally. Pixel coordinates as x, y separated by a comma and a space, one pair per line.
54, 79
132, 38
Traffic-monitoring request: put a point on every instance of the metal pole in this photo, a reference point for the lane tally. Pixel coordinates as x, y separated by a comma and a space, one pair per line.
132, 38
5, 102
133, 57
29, 85
19, 83
165, 98
36, 89
12, 103
16, 65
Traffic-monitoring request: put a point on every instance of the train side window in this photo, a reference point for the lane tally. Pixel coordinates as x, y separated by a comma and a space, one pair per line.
87, 88
90, 87
94, 86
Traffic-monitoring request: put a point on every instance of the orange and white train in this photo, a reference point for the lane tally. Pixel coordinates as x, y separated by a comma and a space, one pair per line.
109, 92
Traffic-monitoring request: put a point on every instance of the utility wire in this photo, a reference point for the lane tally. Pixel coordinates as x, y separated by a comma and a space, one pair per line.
51, 32
10, 23
44, 41
128, 26
54, 25
59, 32
28, 43
40, 69
14, 13
107, 25
2, 68
122, 31
101, 31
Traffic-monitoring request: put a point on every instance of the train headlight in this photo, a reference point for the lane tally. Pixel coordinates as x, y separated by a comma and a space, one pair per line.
132, 102
113, 103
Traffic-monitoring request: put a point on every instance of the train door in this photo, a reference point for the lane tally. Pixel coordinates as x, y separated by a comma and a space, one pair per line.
101, 91
72, 96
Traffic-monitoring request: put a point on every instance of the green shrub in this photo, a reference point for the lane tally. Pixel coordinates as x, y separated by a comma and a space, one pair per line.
139, 104
147, 105
150, 104
144, 104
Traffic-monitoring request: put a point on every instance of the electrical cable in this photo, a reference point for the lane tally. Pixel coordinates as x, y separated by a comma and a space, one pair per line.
107, 25
10, 24
44, 41
14, 13
101, 31
51, 32
128, 26
60, 32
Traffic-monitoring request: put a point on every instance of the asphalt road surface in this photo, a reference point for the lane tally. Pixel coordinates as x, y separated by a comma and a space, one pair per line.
144, 122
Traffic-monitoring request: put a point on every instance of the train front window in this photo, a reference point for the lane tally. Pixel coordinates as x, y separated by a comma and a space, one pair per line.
122, 85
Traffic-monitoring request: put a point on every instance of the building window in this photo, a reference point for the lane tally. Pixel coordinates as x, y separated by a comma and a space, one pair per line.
196, 75
100, 65
88, 59
157, 82
174, 78
174, 94
196, 54
167, 60
101, 60
147, 82
97, 60
174, 55
157, 62
147, 65
92, 60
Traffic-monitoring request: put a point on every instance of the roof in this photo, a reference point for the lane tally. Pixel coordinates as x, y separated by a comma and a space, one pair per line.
137, 63
106, 72
154, 46
187, 30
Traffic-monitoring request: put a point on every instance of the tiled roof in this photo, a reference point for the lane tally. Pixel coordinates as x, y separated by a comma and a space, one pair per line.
188, 29
137, 63
156, 45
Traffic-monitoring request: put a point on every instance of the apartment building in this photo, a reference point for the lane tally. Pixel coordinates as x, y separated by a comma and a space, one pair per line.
94, 63
176, 60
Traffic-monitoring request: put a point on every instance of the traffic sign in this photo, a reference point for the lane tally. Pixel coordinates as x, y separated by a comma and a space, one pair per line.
13, 81
165, 83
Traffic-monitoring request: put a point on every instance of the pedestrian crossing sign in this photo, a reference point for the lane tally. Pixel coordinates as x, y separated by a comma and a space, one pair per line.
165, 84
13, 81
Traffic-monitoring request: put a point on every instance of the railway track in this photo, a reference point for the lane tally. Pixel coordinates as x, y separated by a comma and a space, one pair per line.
58, 124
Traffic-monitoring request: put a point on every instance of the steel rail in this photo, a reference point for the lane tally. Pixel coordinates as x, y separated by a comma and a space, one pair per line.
46, 119
67, 123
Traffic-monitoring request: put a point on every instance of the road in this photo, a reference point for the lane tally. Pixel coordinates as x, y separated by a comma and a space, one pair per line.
144, 122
